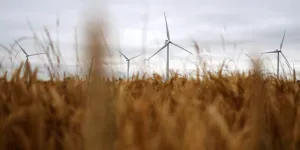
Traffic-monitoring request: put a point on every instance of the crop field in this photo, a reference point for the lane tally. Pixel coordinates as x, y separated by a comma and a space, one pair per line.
236, 111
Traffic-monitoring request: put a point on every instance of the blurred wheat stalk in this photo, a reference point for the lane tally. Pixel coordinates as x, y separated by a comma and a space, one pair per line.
99, 126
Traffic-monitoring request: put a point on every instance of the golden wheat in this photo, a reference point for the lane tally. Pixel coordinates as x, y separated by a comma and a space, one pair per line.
240, 111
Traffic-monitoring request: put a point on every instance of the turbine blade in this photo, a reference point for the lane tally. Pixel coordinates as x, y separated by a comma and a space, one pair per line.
21, 48
270, 52
287, 62
167, 28
135, 56
123, 55
36, 54
159, 50
181, 48
282, 40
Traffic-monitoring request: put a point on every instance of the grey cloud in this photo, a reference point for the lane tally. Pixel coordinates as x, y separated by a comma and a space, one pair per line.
249, 23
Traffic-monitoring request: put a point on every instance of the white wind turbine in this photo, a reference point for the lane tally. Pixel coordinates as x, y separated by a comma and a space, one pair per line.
167, 43
26, 54
280, 52
128, 61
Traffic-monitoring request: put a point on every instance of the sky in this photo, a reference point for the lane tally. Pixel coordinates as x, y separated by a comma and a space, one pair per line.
246, 26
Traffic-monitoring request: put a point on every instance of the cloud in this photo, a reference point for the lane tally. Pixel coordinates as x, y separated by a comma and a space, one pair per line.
249, 25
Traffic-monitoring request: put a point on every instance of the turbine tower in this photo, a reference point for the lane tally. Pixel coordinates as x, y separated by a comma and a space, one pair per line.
167, 43
278, 54
128, 61
26, 54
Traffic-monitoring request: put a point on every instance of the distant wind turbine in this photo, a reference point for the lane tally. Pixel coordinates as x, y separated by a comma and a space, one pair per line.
167, 43
26, 54
280, 52
128, 61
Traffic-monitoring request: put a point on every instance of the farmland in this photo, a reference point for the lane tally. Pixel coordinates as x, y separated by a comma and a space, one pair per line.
236, 111
240, 110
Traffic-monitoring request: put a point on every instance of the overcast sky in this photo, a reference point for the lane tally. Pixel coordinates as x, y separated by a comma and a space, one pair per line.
246, 26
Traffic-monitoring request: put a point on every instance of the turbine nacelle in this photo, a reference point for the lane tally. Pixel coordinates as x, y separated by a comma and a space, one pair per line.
167, 41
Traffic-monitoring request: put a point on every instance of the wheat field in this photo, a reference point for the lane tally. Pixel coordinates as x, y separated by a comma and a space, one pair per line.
236, 111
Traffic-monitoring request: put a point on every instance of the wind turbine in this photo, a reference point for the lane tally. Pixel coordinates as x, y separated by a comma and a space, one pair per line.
280, 52
26, 54
167, 43
128, 61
